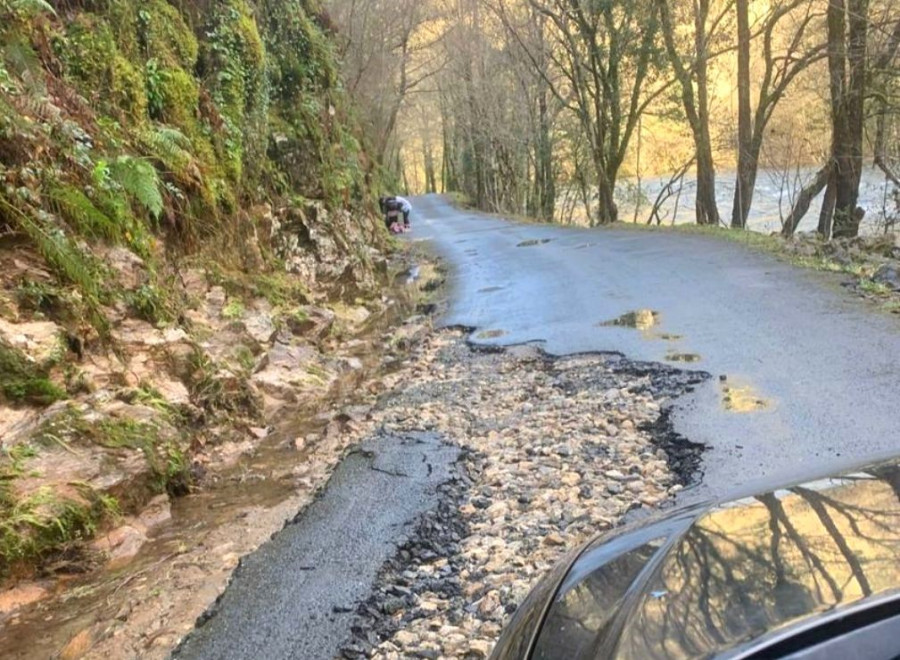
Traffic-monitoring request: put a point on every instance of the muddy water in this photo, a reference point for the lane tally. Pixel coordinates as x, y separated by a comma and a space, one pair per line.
83, 610
641, 319
740, 396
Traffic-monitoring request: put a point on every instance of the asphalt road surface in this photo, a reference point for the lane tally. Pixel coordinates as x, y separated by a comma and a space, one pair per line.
825, 364
296, 597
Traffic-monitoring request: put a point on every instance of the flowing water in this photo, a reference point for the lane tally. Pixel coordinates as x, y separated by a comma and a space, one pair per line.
773, 198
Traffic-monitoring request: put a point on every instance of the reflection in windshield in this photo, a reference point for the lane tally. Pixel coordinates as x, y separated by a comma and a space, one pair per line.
743, 571
581, 613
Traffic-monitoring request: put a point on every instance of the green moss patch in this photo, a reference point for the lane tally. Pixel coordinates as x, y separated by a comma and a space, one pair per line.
160, 443
25, 381
44, 524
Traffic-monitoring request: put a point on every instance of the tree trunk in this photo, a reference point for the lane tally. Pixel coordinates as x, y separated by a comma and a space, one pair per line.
707, 211
826, 214
804, 199
707, 208
696, 109
607, 210
746, 165
428, 158
847, 30
546, 184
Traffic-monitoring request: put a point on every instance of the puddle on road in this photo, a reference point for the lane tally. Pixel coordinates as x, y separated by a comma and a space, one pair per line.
674, 356
648, 321
739, 397
490, 334
491, 289
641, 319
534, 241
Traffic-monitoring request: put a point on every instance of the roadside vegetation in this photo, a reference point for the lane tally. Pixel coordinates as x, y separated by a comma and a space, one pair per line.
178, 183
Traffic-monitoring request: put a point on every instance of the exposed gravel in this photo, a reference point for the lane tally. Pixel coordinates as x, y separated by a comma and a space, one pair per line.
554, 451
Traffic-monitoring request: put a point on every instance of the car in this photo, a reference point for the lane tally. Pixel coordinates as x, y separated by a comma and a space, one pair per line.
809, 570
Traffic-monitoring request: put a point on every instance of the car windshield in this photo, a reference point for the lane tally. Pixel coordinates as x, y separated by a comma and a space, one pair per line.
589, 599
741, 572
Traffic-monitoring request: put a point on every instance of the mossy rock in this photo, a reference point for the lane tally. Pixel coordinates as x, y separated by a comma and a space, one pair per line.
44, 523
129, 89
88, 49
166, 36
92, 60
25, 381
150, 431
179, 97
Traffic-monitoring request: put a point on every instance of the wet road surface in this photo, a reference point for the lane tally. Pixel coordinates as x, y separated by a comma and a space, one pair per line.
812, 372
296, 596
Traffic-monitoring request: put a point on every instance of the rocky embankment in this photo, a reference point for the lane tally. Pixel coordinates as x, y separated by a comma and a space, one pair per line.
872, 261
553, 452
99, 433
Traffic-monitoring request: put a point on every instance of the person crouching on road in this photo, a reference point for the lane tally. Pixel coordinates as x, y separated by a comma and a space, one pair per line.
393, 207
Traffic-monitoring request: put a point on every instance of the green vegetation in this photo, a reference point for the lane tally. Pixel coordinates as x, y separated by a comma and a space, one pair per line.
129, 121
25, 381
158, 441
234, 310
161, 128
44, 523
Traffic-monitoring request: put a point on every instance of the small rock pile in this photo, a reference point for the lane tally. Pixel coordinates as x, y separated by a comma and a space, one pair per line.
554, 451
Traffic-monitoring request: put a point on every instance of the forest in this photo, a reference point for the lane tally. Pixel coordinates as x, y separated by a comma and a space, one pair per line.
564, 109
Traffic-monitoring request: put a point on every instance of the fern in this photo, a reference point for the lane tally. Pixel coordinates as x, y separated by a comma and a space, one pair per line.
60, 253
79, 211
170, 146
65, 258
140, 180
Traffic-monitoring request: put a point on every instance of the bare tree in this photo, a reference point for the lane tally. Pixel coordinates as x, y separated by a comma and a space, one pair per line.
692, 75
792, 22
601, 57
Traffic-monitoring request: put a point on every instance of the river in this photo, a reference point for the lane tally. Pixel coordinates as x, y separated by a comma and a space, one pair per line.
774, 195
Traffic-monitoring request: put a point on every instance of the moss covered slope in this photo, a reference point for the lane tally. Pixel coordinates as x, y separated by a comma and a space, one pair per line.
126, 120
156, 156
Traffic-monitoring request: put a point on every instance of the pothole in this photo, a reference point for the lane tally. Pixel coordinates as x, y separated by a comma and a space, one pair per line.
490, 289
742, 398
665, 336
534, 241
490, 334
640, 319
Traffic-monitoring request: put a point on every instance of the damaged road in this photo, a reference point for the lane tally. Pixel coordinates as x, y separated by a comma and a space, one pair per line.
406, 555
546, 441
808, 369
295, 596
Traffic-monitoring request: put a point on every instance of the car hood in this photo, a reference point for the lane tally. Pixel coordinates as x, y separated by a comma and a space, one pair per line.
712, 580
